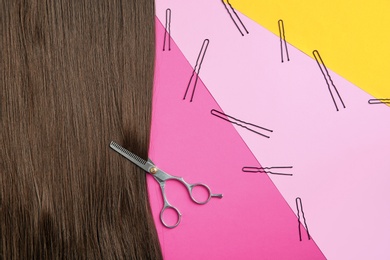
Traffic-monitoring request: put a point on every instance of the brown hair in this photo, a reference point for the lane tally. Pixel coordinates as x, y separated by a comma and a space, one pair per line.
75, 74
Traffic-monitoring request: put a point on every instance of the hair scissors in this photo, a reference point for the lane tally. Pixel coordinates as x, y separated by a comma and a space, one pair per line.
161, 177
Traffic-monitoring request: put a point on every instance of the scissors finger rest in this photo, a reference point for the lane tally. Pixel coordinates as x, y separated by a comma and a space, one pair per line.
201, 198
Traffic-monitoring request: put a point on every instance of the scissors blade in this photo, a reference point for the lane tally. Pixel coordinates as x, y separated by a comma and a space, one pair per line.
130, 156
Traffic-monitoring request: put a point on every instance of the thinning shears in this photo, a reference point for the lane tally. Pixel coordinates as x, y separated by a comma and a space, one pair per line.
161, 177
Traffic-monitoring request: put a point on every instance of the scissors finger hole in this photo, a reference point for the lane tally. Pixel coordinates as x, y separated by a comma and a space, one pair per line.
200, 193
170, 217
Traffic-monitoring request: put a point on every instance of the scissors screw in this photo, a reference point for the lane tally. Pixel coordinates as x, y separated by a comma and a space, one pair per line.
153, 170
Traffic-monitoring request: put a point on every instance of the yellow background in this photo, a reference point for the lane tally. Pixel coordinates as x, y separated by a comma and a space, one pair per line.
352, 37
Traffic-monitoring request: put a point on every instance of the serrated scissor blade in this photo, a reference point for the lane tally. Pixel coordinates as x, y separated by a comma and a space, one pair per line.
130, 156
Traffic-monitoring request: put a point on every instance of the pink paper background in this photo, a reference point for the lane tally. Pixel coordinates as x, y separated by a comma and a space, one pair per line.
340, 159
252, 220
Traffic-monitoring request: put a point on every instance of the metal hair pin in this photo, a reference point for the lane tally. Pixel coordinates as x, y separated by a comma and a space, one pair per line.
282, 36
327, 78
237, 17
379, 101
246, 125
298, 203
196, 70
266, 170
167, 29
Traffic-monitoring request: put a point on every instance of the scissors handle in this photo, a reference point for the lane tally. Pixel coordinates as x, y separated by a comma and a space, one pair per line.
169, 206
161, 177
191, 187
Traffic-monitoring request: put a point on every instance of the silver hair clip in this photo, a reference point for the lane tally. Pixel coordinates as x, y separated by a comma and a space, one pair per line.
266, 169
379, 101
298, 203
246, 125
236, 15
167, 29
327, 78
196, 70
282, 36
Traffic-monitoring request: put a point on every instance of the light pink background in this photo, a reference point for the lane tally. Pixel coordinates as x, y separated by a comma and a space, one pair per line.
252, 220
340, 159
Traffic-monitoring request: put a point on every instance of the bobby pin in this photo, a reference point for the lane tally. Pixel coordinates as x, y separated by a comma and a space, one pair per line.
264, 169
327, 78
298, 203
379, 101
167, 29
231, 16
197, 69
239, 122
282, 39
